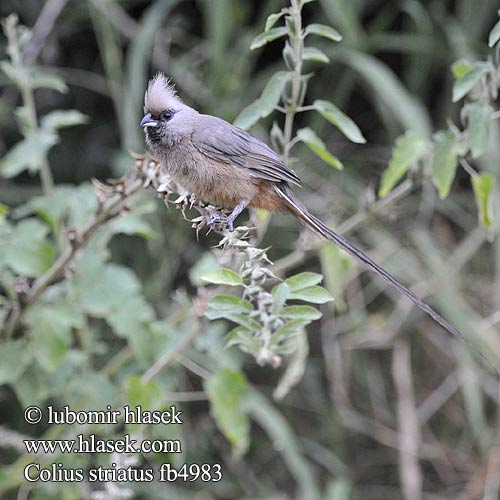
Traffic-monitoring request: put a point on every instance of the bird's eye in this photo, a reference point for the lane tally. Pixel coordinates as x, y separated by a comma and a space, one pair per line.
166, 115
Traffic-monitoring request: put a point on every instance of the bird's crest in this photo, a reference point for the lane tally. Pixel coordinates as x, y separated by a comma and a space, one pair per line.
161, 95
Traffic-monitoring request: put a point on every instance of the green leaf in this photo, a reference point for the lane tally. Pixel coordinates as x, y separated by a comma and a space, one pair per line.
444, 162
131, 319
336, 264
28, 153
35, 384
301, 312
271, 94
339, 489
266, 37
242, 337
317, 146
333, 114
303, 280
221, 305
272, 19
314, 54
461, 67
63, 118
85, 388
409, 149
50, 331
102, 288
4, 210
133, 222
37, 78
223, 277
280, 295
144, 394
324, 31
27, 250
248, 116
465, 83
14, 358
75, 204
483, 190
227, 391
112, 292
207, 263
314, 294
243, 319
479, 121
494, 35
289, 329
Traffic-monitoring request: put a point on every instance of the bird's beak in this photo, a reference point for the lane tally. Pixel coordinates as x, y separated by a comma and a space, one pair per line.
148, 121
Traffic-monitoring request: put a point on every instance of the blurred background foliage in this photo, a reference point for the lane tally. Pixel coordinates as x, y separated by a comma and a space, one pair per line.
376, 401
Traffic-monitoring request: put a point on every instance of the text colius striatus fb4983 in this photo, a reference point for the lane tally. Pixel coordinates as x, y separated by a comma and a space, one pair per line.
226, 166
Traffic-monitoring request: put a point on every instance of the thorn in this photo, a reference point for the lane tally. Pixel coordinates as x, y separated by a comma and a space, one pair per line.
73, 236
100, 186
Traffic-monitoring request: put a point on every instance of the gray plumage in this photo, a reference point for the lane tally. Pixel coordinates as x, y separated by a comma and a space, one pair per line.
201, 151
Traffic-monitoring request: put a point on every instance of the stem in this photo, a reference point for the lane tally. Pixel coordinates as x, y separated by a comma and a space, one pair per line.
29, 103
297, 43
23, 82
301, 109
467, 167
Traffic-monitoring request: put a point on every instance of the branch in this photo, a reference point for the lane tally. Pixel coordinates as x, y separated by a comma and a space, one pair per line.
42, 29
111, 203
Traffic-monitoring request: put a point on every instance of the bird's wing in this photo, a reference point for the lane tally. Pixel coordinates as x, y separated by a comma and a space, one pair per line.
226, 143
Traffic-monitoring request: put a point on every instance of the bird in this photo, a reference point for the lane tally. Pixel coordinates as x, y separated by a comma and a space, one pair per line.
226, 166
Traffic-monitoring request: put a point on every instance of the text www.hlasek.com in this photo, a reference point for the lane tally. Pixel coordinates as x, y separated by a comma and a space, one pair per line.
92, 444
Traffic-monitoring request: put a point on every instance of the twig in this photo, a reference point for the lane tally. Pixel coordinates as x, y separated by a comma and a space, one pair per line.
467, 167
193, 367
409, 430
42, 29
437, 398
163, 361
293, 102
185, 396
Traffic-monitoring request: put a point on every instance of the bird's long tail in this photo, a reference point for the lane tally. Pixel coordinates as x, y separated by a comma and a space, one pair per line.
312, 222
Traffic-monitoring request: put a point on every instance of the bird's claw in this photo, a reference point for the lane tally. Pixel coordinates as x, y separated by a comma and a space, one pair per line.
218, 219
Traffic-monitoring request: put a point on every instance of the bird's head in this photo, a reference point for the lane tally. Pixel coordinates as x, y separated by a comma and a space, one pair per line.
164, 112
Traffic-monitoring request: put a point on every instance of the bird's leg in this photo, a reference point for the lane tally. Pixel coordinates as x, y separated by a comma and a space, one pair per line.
229, 219
236, 211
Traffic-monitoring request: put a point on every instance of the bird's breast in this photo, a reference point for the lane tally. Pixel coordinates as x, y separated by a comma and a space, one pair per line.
219, 183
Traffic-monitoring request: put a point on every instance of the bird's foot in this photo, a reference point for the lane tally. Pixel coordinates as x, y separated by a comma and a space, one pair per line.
228, 219
222, 219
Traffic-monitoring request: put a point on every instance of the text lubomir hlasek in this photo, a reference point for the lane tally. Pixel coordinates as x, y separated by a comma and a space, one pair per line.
129, 415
